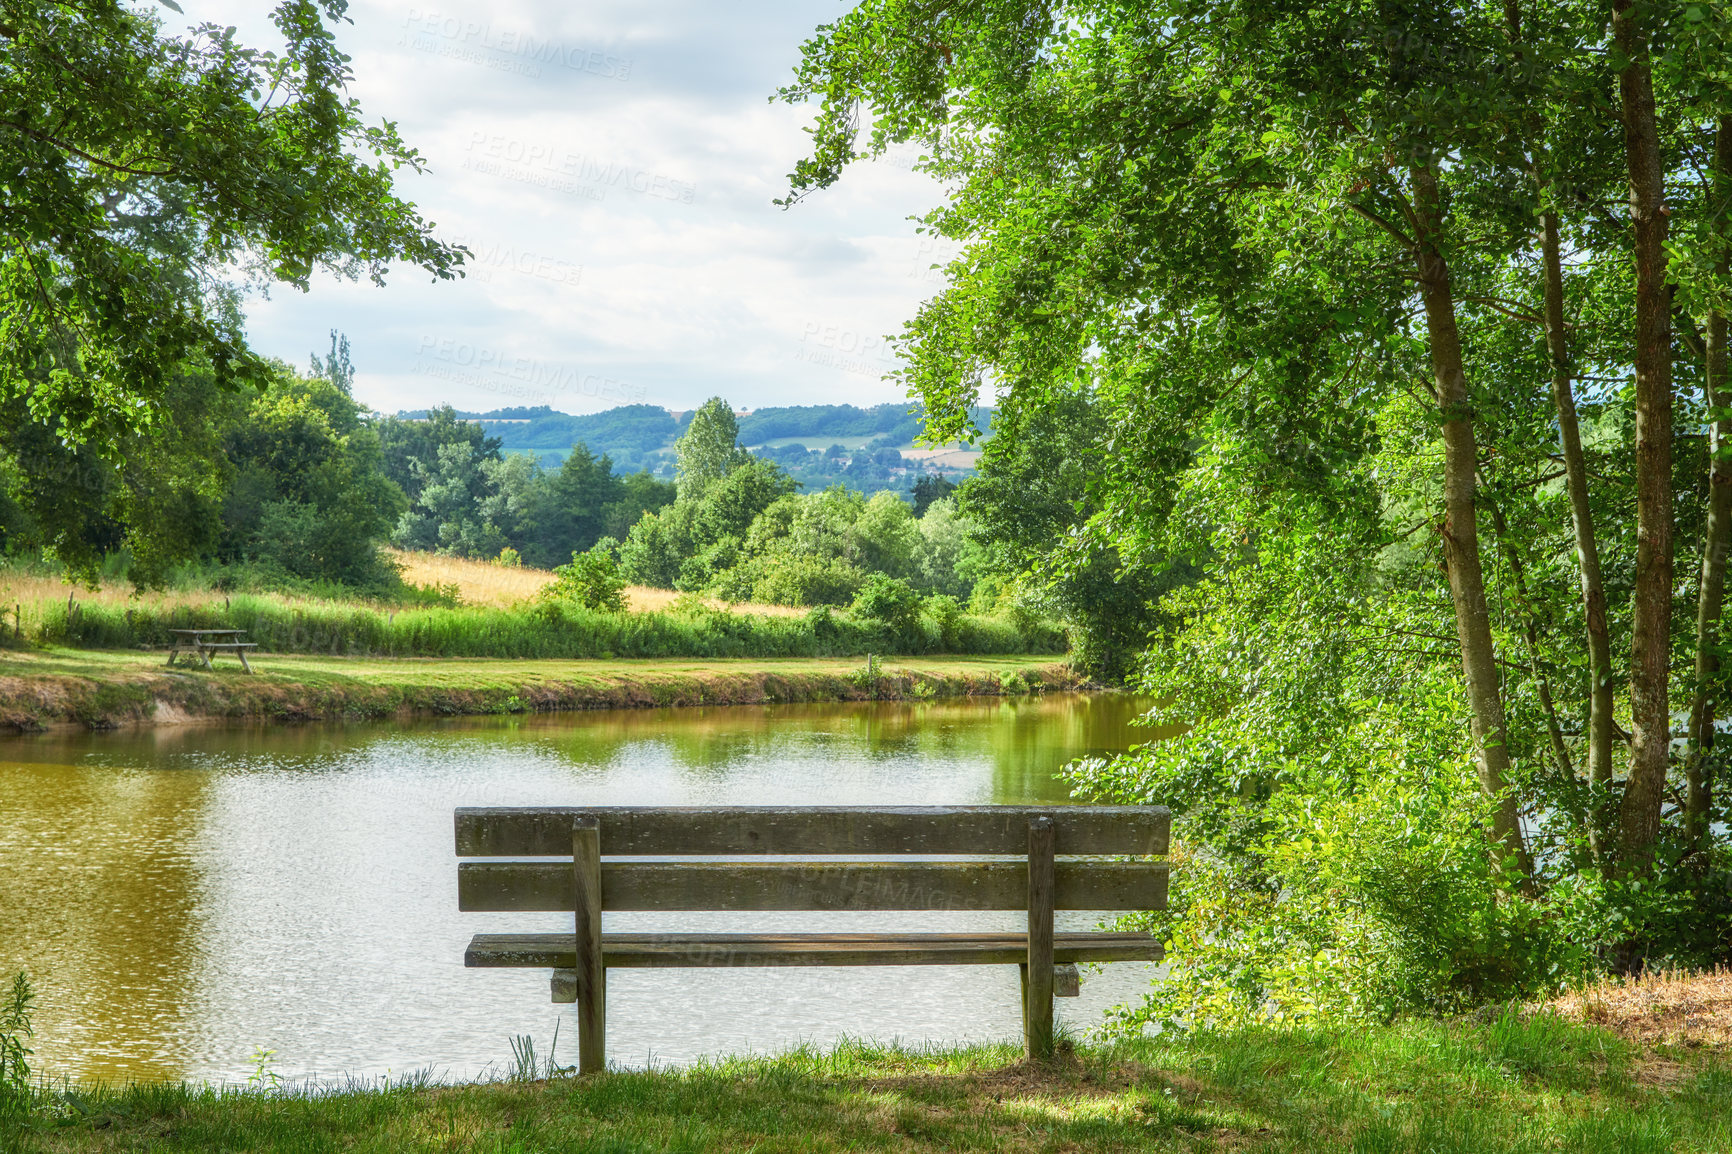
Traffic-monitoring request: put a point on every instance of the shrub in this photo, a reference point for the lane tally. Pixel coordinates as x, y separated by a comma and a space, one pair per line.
592, 580
15, 1030
889, 602
805, 579
945, 612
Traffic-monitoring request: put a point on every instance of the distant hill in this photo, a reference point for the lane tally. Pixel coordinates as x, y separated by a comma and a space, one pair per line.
829, 438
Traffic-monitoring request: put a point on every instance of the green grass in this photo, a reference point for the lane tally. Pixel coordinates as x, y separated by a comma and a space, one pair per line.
538, 630
103, 688
1512, 1085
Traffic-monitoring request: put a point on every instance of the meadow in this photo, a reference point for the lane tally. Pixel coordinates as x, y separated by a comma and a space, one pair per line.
474, 609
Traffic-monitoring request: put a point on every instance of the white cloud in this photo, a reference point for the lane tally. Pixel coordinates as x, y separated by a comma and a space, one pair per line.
613, 166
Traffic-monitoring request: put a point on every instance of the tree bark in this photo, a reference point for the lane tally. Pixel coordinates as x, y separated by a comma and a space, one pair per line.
1460, 530
1651, 636
1601, 692
1569, 788
1717, 536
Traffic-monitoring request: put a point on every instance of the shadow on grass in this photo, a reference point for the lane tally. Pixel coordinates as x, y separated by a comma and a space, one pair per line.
1513, 1083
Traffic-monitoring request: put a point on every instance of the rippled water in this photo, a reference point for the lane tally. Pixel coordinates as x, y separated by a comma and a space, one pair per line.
184, 896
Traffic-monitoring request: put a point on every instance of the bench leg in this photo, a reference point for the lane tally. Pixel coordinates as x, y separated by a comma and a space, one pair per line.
1037, 973
242, 654
591, 972
173, 652
204, 654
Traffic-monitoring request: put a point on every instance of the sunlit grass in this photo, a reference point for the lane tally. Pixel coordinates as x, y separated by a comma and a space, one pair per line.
477, 582
1515, 1084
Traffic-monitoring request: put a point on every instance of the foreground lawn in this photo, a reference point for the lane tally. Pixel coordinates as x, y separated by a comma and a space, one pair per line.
1512, 1083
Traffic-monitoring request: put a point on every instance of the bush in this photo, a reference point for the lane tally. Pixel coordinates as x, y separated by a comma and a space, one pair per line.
889, 602
592, 580
945, 613
805, 579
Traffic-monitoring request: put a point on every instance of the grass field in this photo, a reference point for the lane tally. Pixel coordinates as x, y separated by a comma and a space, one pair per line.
482, 583
28, 599
1502, 1083
105, 688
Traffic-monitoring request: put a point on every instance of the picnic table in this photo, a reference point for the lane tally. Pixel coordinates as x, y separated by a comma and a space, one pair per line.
205, 642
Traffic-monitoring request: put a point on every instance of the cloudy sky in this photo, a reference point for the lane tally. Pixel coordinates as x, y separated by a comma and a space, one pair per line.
611, 163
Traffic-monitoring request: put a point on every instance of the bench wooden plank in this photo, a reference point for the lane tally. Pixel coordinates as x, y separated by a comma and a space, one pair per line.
649, 831
696, 950
983, 885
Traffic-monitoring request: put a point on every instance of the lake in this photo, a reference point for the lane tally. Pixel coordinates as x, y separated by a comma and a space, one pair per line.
186, 896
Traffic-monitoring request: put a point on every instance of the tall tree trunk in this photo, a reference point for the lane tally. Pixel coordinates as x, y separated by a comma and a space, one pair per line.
1461, 531
1650, 642
1602, 699
1569, 789
1601, 692
1717, 536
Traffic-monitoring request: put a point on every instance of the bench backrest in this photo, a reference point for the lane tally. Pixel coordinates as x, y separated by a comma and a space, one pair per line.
850, 832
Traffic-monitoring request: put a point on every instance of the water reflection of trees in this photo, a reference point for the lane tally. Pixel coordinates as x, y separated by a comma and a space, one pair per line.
99, 892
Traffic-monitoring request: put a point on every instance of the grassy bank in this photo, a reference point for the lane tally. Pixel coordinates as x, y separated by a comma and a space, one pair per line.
489, 611
1514, 1083
104, 689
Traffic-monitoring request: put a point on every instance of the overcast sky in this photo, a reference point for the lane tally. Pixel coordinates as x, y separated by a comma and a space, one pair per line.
611, 163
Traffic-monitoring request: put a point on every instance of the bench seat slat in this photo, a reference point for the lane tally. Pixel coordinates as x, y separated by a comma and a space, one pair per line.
726, 886
656, 831
665, 951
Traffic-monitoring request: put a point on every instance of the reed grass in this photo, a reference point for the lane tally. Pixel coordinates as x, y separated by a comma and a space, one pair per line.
542, 630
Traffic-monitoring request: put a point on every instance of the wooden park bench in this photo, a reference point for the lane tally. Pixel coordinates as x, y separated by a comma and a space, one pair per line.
205, 642
1055, 844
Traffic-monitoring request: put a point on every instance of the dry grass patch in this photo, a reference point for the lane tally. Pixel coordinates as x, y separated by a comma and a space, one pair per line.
478, 582
1667, 1008
484, 583
35, 596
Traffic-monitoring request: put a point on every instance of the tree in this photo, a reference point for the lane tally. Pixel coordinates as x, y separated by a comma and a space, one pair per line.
1309, 264
591, 580
143, 169
709, 450
336, 366
309, 497
930, 487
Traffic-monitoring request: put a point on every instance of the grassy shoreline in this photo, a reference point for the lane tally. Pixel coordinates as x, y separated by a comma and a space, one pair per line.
1509, 1082
106, 689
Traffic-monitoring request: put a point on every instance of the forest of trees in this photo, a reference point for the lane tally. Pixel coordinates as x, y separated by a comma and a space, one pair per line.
1393, 342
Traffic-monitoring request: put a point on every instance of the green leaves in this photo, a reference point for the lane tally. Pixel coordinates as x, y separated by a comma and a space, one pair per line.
143, 169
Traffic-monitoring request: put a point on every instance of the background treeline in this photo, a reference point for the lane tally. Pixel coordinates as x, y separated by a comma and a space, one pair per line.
818, 445
292, 486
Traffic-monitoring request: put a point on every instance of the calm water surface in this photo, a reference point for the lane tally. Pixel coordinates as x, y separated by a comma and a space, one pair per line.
183, 896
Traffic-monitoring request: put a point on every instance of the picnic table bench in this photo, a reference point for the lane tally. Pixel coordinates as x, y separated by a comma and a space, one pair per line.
205, 642
856, 858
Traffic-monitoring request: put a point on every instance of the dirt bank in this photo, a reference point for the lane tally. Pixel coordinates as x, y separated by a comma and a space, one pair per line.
106, 689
